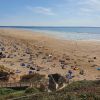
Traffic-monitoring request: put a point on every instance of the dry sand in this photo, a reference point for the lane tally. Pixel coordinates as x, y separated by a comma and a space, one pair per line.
25, 50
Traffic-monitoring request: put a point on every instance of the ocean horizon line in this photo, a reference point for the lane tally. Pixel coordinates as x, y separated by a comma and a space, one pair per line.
54, 26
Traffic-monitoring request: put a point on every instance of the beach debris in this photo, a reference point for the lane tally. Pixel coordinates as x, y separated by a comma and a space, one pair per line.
27, 51
30, 72
2, 55
69, 75
98, 68
81, 72
2, 49
37, 55
75, 62
54, 58
10, 56
28, 65
49, 55
95, 57
21, 59
24, 55
17, 71
67, 58
49, 60
38, 70
11, 64
32, 68
90, 60
40, 52
62, 61
62, 66
70, 72
74, 68
53, 65
44, 57
94, 65
22, 64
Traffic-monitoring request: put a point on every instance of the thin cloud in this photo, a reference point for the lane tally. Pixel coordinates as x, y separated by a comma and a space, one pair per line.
41, 10
90, 6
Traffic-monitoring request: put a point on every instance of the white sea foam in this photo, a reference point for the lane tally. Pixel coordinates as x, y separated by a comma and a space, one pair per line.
71, 35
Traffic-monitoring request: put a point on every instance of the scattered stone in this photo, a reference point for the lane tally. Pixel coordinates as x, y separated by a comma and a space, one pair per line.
22, 64
32, 68
44, 58
67, 58
62, 61
10, 56
95, 57
94, 65
27, 51
2, 49
90, 60
63, 67
2, 55
81, 72
28, 65
38, 69
11, 64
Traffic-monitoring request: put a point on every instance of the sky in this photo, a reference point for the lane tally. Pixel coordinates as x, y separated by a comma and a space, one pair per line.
50, 13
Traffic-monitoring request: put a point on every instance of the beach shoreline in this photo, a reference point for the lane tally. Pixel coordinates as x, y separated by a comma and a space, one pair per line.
80, 53
67, 36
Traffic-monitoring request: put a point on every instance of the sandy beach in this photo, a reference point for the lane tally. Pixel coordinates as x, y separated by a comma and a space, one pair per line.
25, 50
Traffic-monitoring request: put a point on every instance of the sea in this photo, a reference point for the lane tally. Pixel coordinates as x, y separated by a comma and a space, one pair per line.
66, 33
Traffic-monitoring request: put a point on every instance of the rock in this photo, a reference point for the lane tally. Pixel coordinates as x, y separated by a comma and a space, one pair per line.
55, 58
94, 65
32, 68
90, 60
62, 61
2, 49
67, 58
44, 58
2, 55
11, 64
50, 56
40, 52
81, 72
10, 56
49, 60
22, 64
21, 59
63, 67
38, 69
27, 51
95, 57
24, 55
28, 65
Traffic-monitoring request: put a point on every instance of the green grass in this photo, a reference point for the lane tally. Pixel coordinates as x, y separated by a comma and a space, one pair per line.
32, 90
80, 85
5, 91
80, 90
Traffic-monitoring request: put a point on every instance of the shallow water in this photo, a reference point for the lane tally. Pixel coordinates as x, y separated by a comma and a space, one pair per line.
67, 33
